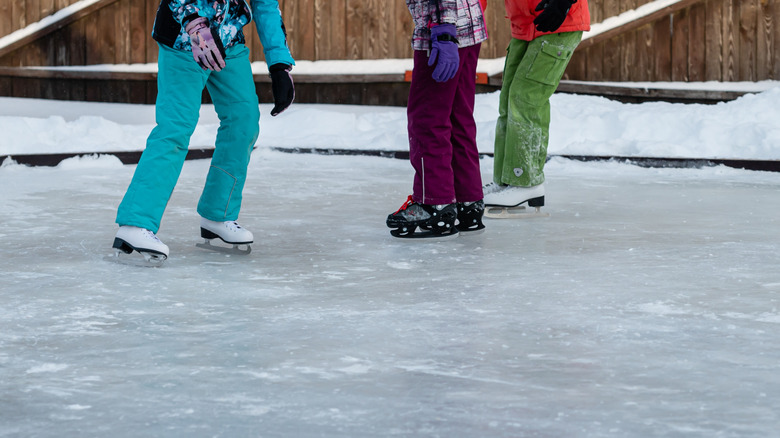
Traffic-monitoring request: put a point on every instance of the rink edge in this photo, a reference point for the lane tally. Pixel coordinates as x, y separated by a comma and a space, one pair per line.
52, 160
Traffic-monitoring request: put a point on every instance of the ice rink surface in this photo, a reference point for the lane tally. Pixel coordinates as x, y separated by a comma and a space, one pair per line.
646, 305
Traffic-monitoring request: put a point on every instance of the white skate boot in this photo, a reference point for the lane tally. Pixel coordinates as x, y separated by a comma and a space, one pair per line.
505, 202
229, 232
129, 239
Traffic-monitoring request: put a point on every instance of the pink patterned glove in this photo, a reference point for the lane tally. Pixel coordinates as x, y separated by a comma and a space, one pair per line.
207, 50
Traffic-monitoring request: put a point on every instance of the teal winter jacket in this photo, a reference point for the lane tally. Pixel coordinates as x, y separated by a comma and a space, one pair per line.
227, 19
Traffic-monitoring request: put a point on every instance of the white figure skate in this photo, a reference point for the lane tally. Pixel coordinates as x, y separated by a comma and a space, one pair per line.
143, 241
229, 232
506, 202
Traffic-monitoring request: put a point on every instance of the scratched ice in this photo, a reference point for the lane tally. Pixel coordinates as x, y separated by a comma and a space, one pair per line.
645, 305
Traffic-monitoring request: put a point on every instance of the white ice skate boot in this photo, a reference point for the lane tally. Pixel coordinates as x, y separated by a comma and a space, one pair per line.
129, 239
503, 202
229, 232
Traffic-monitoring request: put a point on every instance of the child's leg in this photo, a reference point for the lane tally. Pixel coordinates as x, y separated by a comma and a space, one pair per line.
180, 83
514, 54
465, 154
235, 101
430, 130
528, 108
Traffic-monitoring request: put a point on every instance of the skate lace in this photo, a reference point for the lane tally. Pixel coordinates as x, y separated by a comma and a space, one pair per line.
406, 205
233, 225
152, 235
491, 188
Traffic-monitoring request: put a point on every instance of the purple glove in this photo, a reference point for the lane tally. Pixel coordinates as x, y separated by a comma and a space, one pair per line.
207, 50
444, 46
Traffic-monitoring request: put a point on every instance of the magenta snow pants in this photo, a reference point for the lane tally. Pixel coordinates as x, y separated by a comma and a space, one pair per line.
442, 132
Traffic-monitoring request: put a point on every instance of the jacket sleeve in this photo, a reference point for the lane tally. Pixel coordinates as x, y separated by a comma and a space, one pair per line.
183, 11
270, 28
444, 11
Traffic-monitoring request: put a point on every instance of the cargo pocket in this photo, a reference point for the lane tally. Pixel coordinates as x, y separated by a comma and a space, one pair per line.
549, 64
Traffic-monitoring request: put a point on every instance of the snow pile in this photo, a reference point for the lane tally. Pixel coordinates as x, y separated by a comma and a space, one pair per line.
745, 128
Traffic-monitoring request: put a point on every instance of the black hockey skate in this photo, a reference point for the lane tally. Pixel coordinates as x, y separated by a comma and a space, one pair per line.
434, 221
470, 216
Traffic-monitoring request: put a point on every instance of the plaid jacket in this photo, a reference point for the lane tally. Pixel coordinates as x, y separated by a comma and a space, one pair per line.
466, 15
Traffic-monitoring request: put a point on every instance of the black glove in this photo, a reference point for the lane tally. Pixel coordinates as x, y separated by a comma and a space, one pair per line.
553, 14
282, 87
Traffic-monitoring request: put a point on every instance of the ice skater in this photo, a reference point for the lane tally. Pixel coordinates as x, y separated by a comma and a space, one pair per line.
201, 44
544, 36
442, 133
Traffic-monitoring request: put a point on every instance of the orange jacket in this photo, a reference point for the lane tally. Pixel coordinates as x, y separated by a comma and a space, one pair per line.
522, 13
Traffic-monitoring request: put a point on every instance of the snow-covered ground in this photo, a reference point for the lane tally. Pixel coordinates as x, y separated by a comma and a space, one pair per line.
746, 128
646, 305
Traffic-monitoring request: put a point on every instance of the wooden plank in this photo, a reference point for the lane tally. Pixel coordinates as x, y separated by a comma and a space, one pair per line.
628, 56
338, 33
403, 31
136, 32
611, 8
595, 55
748, 20
577, 67
18, 16
610, 70
680, 35
596, 9
643, 47
764, 42
107, 34
47, 8
290, 16
775, 13
59, 4
355, 23
73, 74
369, 40
329, 32
696, 42
6, 20
151, 44
59, 24
662, 50
632, 25
381, 39
713, 44
643, 94
729, 65
33, 10
305, 29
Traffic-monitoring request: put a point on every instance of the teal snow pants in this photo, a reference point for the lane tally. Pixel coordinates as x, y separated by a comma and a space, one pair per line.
180, 83
532, 72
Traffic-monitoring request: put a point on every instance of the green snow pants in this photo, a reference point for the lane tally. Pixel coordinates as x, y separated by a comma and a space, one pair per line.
532, 72
180, 83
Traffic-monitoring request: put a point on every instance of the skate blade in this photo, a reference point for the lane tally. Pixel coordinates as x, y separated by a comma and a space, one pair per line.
473, 232
137, 258
514, 213
424, 235
236, 249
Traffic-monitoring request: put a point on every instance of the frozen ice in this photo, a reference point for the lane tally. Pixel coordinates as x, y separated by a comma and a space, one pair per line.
646, 305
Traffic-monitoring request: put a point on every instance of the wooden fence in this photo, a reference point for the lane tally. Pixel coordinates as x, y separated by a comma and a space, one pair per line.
696, 40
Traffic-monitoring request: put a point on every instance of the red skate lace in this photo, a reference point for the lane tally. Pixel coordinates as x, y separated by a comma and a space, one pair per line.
406, 204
